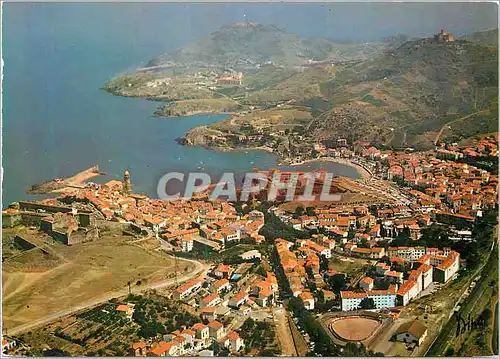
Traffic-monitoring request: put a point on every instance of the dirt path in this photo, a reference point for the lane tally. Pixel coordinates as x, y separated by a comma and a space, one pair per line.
284, 334
460, 119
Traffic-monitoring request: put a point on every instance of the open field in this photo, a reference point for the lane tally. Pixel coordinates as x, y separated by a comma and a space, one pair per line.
86, 272
352, 266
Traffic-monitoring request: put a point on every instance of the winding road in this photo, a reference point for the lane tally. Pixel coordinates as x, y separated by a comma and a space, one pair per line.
460, 119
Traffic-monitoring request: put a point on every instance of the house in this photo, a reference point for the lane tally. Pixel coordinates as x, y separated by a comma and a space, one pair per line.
7, 344
187, 289
220, 285
411, 332
155, 223
210, 300
138, 349
209, 313
382, 268
128, 309
201, 331
407, 292
265, 298
222, 271
308, 300
366, 283
233, 342
181, 342
238, 300
329, 295
216, 330
381, 298
245, 310
251, 255
165, 349
394, 276
189, 335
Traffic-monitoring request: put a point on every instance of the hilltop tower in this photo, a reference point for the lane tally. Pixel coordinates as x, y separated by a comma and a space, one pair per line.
127, 186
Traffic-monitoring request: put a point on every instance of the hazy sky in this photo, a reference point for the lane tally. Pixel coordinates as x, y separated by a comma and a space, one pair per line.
159, 27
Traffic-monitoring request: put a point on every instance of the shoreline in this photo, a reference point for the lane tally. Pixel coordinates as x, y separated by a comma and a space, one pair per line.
58, 185
364, 172
360, 169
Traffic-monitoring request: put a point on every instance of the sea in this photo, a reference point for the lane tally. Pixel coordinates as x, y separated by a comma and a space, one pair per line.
57, 120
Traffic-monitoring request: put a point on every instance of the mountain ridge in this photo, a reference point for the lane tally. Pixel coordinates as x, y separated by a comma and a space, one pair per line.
240, 44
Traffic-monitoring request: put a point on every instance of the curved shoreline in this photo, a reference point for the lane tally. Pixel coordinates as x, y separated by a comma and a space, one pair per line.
363, 171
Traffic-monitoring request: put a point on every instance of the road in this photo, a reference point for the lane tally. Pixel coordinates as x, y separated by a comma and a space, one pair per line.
199, 269
384, 188
460, 119
284, 334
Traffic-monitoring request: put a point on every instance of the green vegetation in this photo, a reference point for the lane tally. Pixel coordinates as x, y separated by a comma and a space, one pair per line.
260, 335
438, 236
488, 37
274, 228
474, 341
373, 100
401, 97
197, 106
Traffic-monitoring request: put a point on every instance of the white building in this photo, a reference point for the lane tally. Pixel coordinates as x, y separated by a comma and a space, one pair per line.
381, 299
411, 332
187, 244
251, 254
187, 289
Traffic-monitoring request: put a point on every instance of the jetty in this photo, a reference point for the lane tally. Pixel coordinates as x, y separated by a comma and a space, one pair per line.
62, 184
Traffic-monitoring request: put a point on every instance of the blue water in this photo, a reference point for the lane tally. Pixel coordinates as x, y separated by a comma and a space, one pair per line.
56, 119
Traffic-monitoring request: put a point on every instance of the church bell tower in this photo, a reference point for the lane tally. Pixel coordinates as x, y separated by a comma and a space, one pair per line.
127, 186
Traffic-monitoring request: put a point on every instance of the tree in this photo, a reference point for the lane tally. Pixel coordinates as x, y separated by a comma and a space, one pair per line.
310, 211
383, 231
55, 353
486, 316
367, 303
337, 282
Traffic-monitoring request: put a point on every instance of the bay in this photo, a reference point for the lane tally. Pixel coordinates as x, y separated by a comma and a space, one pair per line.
57, 121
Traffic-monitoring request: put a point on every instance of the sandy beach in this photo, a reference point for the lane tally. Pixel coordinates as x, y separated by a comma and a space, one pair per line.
365, 173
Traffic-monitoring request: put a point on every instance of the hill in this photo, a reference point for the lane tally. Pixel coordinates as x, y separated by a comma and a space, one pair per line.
488, 37
402, 97
399, 92
244, 45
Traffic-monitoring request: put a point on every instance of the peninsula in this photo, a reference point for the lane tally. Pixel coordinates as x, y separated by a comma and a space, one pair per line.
63, 184
288, 93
